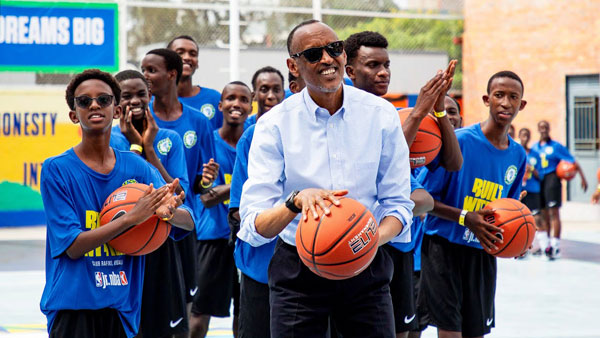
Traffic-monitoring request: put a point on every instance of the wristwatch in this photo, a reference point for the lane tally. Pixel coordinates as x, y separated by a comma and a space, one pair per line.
289, 202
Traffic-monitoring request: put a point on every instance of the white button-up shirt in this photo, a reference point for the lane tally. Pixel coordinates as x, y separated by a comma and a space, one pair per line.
299, 145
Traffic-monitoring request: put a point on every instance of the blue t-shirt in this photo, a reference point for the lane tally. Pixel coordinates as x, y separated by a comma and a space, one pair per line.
251, 120
530, 182
206, 102
168, 148
551, 153
252, 261
198, 145
214, 225
73, 196
486, 175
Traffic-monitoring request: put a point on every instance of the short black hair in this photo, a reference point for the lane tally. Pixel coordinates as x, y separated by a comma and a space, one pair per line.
524, 129
185, 37
172, 60
508, 74
237, 83
291, 35
130, 75
367, 38
457, 104
91, 74
267, 69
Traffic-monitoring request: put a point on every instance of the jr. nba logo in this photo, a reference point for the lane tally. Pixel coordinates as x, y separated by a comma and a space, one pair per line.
123, 277
98, 279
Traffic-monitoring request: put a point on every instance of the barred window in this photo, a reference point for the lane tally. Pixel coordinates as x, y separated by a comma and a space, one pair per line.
585, 116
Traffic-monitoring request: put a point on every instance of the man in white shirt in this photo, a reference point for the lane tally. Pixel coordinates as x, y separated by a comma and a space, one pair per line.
328, 141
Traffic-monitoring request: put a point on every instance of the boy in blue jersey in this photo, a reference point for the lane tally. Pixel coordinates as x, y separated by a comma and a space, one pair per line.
532, 184
253, 261
104, 286
162, 69
203, 99
217, 274
369, 68
267, 91
458, 277
164, 310
551, 153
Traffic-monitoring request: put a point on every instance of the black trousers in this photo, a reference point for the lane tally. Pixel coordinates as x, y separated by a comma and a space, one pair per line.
302, 302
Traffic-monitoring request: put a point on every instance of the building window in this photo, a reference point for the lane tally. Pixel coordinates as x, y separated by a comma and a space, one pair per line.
585, 116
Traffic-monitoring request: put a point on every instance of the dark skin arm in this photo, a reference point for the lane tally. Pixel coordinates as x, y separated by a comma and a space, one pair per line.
451, 158
143, 209
148, 136
423, 202
216, 195
584, 184
473, 220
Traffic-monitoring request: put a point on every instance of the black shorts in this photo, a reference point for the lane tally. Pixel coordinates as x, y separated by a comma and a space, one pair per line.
254, 309
551, 191
533, 201
401, 289
302, 302
164, 309
218, 280
458, 286
187, 253
422, 316
87, 323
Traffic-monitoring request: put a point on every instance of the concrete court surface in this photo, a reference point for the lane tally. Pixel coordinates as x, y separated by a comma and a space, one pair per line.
535, 297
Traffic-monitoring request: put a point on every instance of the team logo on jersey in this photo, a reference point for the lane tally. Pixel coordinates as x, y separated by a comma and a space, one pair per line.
532, 161
129, 181
164, 146
123, 278
510, 175
189, 138
99, 280
548, 150
208, 110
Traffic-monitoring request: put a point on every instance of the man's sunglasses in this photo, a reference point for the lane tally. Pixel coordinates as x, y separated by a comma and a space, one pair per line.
85, 101
315, 54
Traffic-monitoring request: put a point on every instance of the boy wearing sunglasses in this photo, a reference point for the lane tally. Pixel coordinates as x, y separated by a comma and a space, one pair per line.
92, 290
327, 141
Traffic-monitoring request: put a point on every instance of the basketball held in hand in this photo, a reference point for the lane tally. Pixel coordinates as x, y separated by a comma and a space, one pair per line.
339, 245
142, 238
518, 225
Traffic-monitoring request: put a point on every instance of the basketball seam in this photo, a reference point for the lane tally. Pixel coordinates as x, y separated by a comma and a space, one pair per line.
315, 240
350, 261
149, 238
340, 237
519, 209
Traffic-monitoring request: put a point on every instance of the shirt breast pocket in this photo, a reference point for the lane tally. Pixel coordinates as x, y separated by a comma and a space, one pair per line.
365, 178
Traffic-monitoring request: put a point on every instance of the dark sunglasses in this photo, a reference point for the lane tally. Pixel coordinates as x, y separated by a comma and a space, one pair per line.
85, 101
315, 54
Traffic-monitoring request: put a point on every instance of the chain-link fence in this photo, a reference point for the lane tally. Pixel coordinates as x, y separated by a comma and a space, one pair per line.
411, 26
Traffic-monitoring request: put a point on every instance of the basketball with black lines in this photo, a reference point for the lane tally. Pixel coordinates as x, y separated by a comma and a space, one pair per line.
142, 238
427, 142
518, 225
339, 245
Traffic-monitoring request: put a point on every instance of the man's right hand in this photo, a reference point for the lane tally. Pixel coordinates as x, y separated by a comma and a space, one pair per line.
484, 231
309, 199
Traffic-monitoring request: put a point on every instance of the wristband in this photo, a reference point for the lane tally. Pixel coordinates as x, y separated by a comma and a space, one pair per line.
461, 218
136, 147
205, 186
440, 113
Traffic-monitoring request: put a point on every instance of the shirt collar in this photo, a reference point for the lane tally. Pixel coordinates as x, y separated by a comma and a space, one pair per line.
312, 107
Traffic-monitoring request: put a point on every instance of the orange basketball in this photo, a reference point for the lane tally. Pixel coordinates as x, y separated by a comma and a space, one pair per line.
518, 224
140, 239
427, 143
341, 245
566, 170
